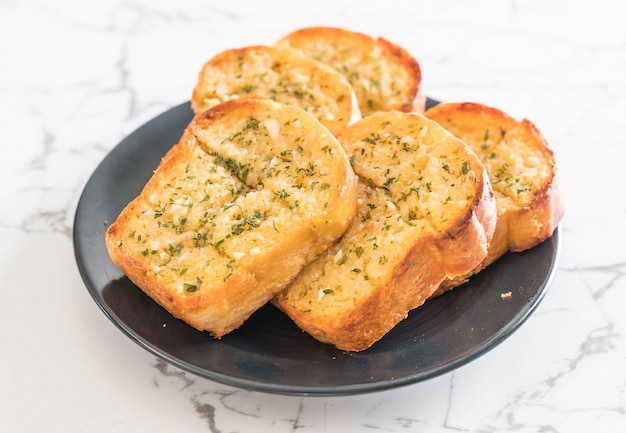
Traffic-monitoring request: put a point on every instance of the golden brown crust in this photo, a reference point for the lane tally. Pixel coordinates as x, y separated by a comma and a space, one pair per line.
522, 170
282, 74
426, 212
383, 74
252, 192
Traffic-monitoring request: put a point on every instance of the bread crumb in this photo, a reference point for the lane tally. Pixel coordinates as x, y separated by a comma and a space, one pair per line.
506, 295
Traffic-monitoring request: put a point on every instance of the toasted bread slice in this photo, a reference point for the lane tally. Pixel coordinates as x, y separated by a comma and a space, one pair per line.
384, 75
253, 191
522, 170
426, 212
282, 74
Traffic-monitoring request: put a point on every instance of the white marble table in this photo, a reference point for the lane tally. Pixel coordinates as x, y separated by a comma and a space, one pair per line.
76, 77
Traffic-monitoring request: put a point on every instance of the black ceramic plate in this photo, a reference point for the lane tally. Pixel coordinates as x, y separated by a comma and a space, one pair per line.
269, 353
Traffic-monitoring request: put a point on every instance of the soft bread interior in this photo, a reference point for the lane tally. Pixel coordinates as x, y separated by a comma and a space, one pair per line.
384, 75
281, 74
252, 192
425, 213
522, 170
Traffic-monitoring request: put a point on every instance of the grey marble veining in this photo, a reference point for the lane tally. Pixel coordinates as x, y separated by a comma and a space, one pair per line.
77, 77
